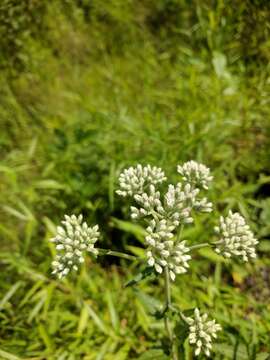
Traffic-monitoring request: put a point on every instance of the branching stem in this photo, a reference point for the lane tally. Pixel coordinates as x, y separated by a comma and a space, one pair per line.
117, 254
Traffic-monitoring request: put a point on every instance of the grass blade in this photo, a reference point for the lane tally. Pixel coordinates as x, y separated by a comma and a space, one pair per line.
9, 294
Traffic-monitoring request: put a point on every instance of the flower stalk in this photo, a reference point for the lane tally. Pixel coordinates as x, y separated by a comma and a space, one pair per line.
167, 324
200, 246
116, 254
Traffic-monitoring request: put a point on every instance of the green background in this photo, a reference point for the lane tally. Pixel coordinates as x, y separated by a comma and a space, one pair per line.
88, 87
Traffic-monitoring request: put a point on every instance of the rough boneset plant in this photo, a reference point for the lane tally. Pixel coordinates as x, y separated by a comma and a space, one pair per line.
163, 215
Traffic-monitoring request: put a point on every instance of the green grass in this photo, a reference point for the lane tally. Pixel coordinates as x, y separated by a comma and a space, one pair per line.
130, 85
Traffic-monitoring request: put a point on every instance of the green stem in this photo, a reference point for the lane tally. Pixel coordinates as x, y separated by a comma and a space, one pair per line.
199, 246
166, 318
156, 215
168, 300
179, 234
183, 317
117, 254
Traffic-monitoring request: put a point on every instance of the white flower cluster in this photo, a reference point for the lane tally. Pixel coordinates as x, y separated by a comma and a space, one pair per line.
178, 202
201, 332
163, 251
195, 173
165, 214
176, 207
149, 202
236, 237
72, 240
181, 199
134, 180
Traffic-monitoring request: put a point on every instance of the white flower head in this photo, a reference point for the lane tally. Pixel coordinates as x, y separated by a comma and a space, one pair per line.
148, 202
236, 238
178, 203
195, 173
73, 239
201, 332
163, 252
134, 180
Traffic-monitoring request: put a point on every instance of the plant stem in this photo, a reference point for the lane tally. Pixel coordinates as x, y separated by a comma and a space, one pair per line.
199, 246
166, 318
117, 254
179, 234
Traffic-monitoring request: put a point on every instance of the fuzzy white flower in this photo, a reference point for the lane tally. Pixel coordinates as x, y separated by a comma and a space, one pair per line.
236, 238
195, 173
163, 251
134, 180
72, 240
201, 332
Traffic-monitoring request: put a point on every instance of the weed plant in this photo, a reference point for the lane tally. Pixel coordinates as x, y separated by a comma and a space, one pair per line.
89, 88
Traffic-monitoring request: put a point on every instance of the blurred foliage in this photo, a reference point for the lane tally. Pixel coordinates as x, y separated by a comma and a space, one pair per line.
20, 22
239, 28
88, 87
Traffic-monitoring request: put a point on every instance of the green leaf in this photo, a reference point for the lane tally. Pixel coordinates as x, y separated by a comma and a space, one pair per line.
219, 63
264, 246
137, 251
139, 277
10, 293
8, 356
188, 312
181, 331
211, 255
97, 320
14, 212
154, 354
83, 320
129, 227
113, 311
150, 303
262, 356
122, 353
37, 308
228, 351
49, 184
111, 188
45, 336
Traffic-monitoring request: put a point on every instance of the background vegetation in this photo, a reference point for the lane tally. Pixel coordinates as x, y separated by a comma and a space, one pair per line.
91, 86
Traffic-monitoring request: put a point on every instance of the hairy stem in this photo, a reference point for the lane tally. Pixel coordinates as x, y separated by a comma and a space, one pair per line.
117, 254
167, 324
